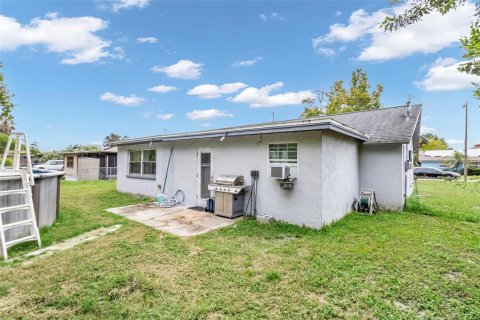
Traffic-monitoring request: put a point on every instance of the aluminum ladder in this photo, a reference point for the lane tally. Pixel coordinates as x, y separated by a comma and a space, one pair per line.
26, 176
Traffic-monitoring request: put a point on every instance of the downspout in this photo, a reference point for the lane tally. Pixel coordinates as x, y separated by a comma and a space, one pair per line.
166, 172
322, 155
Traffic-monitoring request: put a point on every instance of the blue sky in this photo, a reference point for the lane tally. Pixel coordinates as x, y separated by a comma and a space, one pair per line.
83, 69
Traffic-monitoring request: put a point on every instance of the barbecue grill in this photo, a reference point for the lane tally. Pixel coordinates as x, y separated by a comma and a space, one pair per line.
229, 195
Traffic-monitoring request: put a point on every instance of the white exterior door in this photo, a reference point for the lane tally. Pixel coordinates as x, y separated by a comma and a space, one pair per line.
204, 175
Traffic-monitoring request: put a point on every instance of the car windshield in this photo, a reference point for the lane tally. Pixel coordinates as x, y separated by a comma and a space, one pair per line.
50, 162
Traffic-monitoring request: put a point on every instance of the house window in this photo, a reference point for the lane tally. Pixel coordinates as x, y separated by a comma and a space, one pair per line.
142, 162
69, 162
135, 164
148, 162
283, 153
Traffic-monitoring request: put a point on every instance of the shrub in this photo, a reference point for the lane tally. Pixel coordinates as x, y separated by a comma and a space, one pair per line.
474, 171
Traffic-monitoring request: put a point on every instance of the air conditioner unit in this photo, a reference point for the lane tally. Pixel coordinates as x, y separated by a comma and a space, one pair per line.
279, 172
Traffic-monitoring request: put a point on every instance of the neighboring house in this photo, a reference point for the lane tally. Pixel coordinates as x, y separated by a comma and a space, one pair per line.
439, 158
91, 165
34, 158
332, 157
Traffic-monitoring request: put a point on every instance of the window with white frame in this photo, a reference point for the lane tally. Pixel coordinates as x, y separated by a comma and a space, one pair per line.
142, 162
286, 153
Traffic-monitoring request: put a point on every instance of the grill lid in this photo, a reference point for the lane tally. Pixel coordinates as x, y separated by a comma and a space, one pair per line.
230, 180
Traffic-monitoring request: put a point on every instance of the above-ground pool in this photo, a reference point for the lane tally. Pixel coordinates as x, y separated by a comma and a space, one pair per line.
46, 200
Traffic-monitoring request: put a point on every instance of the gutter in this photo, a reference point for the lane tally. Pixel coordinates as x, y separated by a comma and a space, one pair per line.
305, 125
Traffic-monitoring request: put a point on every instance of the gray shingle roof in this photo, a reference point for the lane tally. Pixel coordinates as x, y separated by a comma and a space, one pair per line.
387, 125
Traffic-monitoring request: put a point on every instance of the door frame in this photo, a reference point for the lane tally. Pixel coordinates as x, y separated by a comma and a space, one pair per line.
200, 200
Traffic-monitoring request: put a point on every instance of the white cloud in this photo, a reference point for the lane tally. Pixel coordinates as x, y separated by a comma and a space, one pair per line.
146, 114
183, 69
164, 116
162, 89
128, 4
210, 91
117, 53
258, 98
271, 16
132, 101
73, 38
49, 126
246, 63
338, 13
328, 52
147, 40
443, 75
207, 114
433, 33
360, 24
208, 124
424, 130
455, 142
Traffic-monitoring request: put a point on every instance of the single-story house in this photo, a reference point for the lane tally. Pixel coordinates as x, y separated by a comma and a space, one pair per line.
439, 158
332, 157
91, 165
34, 158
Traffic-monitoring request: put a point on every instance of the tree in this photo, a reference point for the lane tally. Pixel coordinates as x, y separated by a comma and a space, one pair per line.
79, 147
51, 155
6, 117
456, 161
34, 150
434, 143
113, 137
311, 110
340, 100
471, 43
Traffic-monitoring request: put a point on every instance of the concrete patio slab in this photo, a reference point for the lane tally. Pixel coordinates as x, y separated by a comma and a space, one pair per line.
179, 220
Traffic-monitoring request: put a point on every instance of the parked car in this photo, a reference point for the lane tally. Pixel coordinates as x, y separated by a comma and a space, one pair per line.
434, 173
50, 165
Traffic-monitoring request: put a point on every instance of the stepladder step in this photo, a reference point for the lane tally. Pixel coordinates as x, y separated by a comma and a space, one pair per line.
20, 240
16, 207
13, 192
8, 226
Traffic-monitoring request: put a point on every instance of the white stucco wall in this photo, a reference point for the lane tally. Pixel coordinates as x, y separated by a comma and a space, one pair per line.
340, 175
240, 155
381, 169
408, 173
137, 186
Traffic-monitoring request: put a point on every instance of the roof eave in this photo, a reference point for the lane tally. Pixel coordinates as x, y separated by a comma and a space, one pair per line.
324, 125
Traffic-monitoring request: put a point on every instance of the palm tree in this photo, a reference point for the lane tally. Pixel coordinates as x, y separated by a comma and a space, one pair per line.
456, 161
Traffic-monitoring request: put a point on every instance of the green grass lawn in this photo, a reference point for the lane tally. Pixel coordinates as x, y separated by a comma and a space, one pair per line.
453, 199
387, 266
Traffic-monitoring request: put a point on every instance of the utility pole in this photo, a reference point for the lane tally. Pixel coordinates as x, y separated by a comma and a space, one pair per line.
465, 159
273, 116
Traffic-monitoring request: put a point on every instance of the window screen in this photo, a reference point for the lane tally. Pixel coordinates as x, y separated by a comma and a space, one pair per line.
283, 153
149, 162
135, 164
